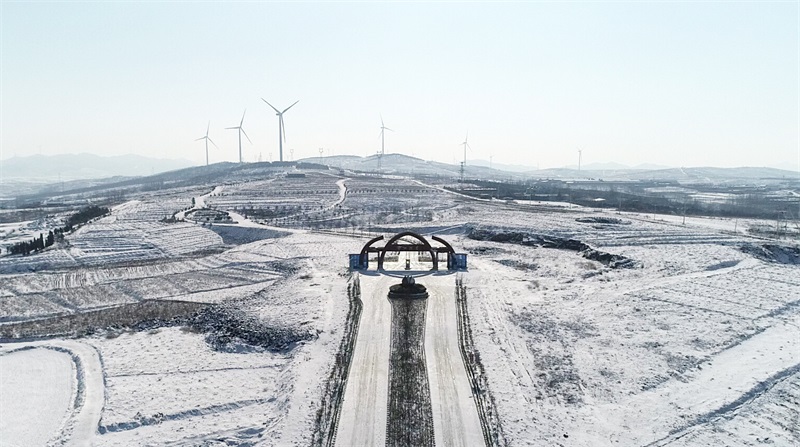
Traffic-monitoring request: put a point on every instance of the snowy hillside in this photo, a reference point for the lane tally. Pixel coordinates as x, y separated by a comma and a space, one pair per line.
158, 326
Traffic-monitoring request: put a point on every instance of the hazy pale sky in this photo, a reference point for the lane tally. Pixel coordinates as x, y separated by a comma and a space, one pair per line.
680, 84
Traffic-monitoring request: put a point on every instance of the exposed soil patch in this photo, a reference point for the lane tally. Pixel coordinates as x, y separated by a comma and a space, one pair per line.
519, 265
538, 240
235, 235
722, 265
551, 342
230, 329
603, 220
144, 315
779, 254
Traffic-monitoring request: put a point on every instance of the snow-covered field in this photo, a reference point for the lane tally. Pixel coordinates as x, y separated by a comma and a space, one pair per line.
695, 345
37, 378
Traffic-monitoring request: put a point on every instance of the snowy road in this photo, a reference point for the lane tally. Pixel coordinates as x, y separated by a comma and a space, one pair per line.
455, 418
363, 413
199, 202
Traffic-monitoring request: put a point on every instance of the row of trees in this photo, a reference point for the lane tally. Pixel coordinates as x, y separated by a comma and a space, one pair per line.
85, 215
637, 197
37, 243
40, 243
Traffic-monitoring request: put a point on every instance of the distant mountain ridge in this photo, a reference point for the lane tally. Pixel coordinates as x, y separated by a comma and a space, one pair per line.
608, 166
49, 168
39, 169
404, 164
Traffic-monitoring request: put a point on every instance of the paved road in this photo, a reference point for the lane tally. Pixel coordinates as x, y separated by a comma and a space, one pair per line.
455, 417
363, 414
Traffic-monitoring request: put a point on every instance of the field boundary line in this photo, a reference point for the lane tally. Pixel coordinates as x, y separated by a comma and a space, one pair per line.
326, 424
484, 402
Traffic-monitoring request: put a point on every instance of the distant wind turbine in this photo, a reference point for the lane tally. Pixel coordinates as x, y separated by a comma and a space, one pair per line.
464, 163
207, 140
281, 129
383, 129
580, 155
241, 131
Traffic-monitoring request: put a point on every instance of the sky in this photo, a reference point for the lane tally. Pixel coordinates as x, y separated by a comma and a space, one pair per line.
674, 84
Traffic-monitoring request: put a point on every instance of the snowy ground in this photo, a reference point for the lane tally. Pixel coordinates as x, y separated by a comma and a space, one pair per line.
58, 384
579, 354
39, 378
696, 346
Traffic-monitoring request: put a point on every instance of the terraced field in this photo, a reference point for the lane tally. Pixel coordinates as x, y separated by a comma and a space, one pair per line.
693, 343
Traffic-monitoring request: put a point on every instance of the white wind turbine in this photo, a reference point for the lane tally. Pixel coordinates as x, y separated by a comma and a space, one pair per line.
464, 163
281, 129
383, 129
207, 140
241, 131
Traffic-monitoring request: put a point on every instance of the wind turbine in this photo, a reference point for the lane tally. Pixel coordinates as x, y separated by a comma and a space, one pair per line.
464, 163
580, 155
383, 128
207, 140
241, 131
281, 130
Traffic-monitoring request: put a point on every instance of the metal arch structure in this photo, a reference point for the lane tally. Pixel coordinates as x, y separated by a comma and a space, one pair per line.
394, 245
365, 251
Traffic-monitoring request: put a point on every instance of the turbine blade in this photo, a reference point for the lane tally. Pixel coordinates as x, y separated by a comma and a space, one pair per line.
382, 125
273, 107
245, 135
208, 127
388, 129
201, 138
283, 127
242, 121
284, 110
212, 142
231, 128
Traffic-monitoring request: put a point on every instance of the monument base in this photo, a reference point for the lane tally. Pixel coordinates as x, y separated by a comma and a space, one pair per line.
408, 289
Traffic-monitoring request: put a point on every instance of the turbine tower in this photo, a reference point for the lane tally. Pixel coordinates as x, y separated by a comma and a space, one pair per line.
464, 163
383, 128
580, 155
207, 140
281, 129
241, 131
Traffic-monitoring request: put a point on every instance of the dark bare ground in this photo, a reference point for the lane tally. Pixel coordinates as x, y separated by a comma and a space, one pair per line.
137, 316
410, 416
